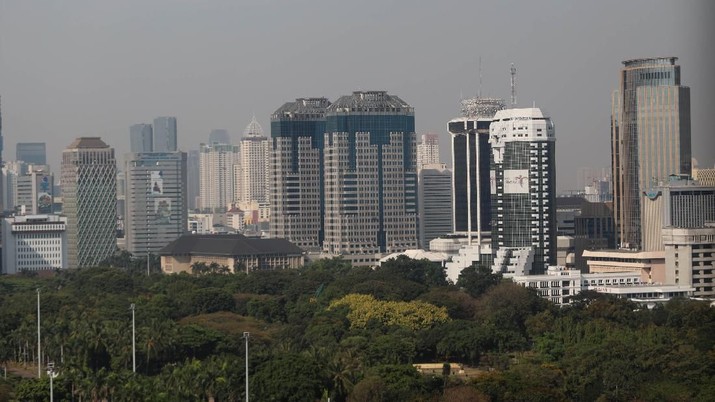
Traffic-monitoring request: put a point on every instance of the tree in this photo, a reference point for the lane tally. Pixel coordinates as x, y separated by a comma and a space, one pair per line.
477, 279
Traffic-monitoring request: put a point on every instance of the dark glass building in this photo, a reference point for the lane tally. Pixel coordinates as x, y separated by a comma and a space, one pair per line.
32, 153
296, 190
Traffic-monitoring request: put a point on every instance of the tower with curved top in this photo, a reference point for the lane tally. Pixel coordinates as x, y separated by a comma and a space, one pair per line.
254, 160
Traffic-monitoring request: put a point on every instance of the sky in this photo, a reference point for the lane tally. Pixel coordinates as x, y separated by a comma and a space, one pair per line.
72, 68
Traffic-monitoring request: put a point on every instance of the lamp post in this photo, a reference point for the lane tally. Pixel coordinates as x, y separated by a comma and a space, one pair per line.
51, 373
134, 345
246, 335
39, 350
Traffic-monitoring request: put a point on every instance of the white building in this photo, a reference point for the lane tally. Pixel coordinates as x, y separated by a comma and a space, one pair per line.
690, 258
216, 176
201, 223
34, 243
427, 150
254, 162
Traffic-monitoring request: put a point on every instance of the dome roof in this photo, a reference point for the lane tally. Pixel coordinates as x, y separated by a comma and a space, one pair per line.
253, 129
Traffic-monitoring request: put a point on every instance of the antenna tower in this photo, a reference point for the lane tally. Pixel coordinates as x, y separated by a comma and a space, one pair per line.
513, 85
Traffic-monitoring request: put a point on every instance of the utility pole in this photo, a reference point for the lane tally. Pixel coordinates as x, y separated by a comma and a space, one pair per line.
134, 345
39, 349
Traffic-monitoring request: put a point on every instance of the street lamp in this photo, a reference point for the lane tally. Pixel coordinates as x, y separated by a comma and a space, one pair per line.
52, 374
246, 335
39, 350
134, 345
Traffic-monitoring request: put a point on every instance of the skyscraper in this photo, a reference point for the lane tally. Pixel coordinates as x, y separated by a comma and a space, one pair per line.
164, 139
156, 212
89, 174
219, 136
370, 176
523, 191
32, 153
427, 150
141, 138
471, 159
297, 183
192, 179
435, 202
2, 184
650, 138
254, 161
216, 175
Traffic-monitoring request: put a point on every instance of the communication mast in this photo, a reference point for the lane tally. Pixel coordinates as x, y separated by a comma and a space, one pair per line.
513, 85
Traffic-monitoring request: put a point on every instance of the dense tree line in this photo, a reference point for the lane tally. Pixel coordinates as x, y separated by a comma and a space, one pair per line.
349, 334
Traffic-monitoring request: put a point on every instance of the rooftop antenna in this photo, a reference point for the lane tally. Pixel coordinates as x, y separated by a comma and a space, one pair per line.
479, 92
513, 85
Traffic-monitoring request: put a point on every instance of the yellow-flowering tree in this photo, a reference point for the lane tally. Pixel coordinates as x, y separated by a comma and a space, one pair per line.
412, 315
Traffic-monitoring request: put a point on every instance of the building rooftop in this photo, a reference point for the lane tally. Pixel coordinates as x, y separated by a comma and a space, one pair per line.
668, 61
228, 245
370, 102
302, 108
253, 129
87, 142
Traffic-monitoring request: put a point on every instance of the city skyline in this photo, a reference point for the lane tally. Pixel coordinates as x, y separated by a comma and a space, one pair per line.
114, 91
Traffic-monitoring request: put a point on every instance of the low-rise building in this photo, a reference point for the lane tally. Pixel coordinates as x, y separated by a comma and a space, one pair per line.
34, 243
235, 251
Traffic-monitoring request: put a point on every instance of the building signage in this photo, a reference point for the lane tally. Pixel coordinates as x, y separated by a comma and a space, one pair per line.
516, 181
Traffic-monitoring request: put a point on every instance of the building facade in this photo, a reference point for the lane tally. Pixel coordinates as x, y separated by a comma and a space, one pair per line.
435, 202
164, 135
690, 258
219, 136
89, 192
141, 138
650, 138
297, 185
32, 153
523, 191
156, 210
34, 243
35, 193
193, 188
216, 176
427, 150
254, 162
471, 159
370, 177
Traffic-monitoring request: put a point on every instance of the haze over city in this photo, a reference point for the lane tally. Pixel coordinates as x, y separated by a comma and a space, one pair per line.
76, 68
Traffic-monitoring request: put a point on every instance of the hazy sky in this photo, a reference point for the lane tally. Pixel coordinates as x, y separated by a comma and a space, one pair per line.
92, 68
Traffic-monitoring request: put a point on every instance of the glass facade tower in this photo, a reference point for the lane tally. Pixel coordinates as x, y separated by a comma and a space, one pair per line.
32, 153
650, 138
370, 176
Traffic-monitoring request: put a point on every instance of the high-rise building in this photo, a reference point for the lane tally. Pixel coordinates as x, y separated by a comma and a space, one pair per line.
370, 176
428, 150
141, 138
523, 201
156, 212
435, 202
2, 184
706, 177
32, 153
11, 171
297, 183
89, 192
164, 138
216, 176
192, 179
650, 138
219, 136
34, 193
254, 160
471, 159
34, 243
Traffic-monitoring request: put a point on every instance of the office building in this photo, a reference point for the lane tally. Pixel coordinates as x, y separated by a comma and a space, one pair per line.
650, 136
427, 150
156, 211
297, 182
370, 177
193, 188
679, 203
435, 202
216, 176
32, 153
690, 258
706, 177
11, 171
254, 162
219, 136
164, 134
471, 159
34, 243
141, 138
35, 193
523, 203
89, 192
